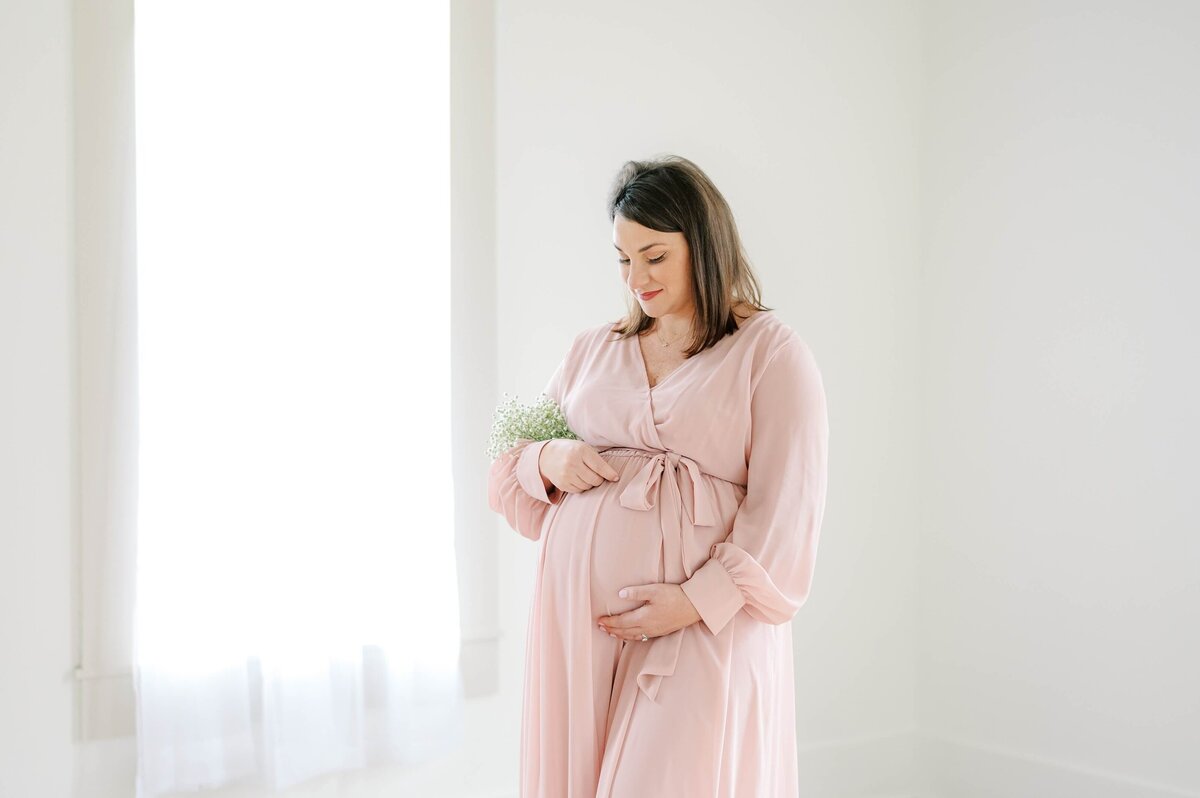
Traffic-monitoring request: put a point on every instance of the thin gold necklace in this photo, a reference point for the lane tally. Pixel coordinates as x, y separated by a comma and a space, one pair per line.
660, 338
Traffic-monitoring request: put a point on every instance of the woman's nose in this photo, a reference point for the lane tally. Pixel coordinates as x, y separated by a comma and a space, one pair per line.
639, 281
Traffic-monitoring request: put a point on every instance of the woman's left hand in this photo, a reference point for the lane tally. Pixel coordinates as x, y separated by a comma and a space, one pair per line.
667, 608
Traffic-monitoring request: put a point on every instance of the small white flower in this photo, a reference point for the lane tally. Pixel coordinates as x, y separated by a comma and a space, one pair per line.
539, 421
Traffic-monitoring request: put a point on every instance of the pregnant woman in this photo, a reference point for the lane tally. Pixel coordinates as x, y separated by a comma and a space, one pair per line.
677, 538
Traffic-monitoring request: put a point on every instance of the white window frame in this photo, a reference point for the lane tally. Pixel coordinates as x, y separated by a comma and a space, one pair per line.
105, 259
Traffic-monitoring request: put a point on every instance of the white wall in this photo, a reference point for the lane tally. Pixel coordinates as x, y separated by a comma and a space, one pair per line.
1060, 562
39, 429
36, 399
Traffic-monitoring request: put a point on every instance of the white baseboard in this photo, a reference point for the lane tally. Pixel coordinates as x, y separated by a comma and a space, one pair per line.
950, 768
909, 764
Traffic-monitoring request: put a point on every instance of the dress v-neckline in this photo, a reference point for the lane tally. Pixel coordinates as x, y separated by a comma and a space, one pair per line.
645, 371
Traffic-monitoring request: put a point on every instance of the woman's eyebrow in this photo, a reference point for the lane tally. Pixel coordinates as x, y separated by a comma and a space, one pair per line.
643, 249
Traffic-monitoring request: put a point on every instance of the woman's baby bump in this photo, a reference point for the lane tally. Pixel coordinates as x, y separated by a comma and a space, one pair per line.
625, 543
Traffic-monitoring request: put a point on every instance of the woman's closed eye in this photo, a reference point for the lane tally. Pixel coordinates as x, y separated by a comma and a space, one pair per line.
659, 259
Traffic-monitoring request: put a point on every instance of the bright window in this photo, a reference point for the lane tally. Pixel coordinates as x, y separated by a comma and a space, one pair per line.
296, 574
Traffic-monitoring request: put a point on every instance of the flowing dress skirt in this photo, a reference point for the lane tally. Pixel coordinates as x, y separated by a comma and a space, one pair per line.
722, 725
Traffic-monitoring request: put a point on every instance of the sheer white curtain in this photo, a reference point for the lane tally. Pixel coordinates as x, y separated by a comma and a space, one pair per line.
296, 608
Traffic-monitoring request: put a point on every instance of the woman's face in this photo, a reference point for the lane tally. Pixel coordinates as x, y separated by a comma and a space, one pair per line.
654, 263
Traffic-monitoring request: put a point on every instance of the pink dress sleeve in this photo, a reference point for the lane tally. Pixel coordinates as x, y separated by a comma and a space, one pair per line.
766, 563
515, 485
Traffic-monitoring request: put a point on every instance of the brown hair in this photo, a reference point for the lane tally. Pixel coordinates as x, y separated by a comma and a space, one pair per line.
673, 195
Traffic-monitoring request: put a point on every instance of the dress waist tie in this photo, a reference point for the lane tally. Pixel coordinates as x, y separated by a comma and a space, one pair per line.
690, 504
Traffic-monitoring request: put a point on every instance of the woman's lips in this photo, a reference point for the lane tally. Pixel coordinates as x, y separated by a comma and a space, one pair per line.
650, 295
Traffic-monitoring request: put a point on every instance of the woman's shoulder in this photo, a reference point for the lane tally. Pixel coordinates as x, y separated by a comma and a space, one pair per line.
598, 333
767, 331
778, 344
587, 340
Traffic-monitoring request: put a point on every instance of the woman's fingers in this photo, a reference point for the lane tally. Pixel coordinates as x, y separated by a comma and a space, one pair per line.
589, 470
590, 477
599, 465
580, 483
626, 622
584, 467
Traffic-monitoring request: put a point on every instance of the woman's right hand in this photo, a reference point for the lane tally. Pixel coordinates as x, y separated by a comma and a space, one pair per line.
573, 466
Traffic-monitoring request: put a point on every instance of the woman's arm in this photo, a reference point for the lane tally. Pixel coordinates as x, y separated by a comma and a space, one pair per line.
766, 563
516, 487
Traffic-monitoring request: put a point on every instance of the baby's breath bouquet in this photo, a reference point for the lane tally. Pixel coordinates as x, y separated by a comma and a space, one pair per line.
513, 421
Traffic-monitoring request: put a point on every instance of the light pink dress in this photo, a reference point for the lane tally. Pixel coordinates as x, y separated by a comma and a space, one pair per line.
722, 489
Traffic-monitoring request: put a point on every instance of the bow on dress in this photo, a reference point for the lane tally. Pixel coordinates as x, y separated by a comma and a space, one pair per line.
691, 504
